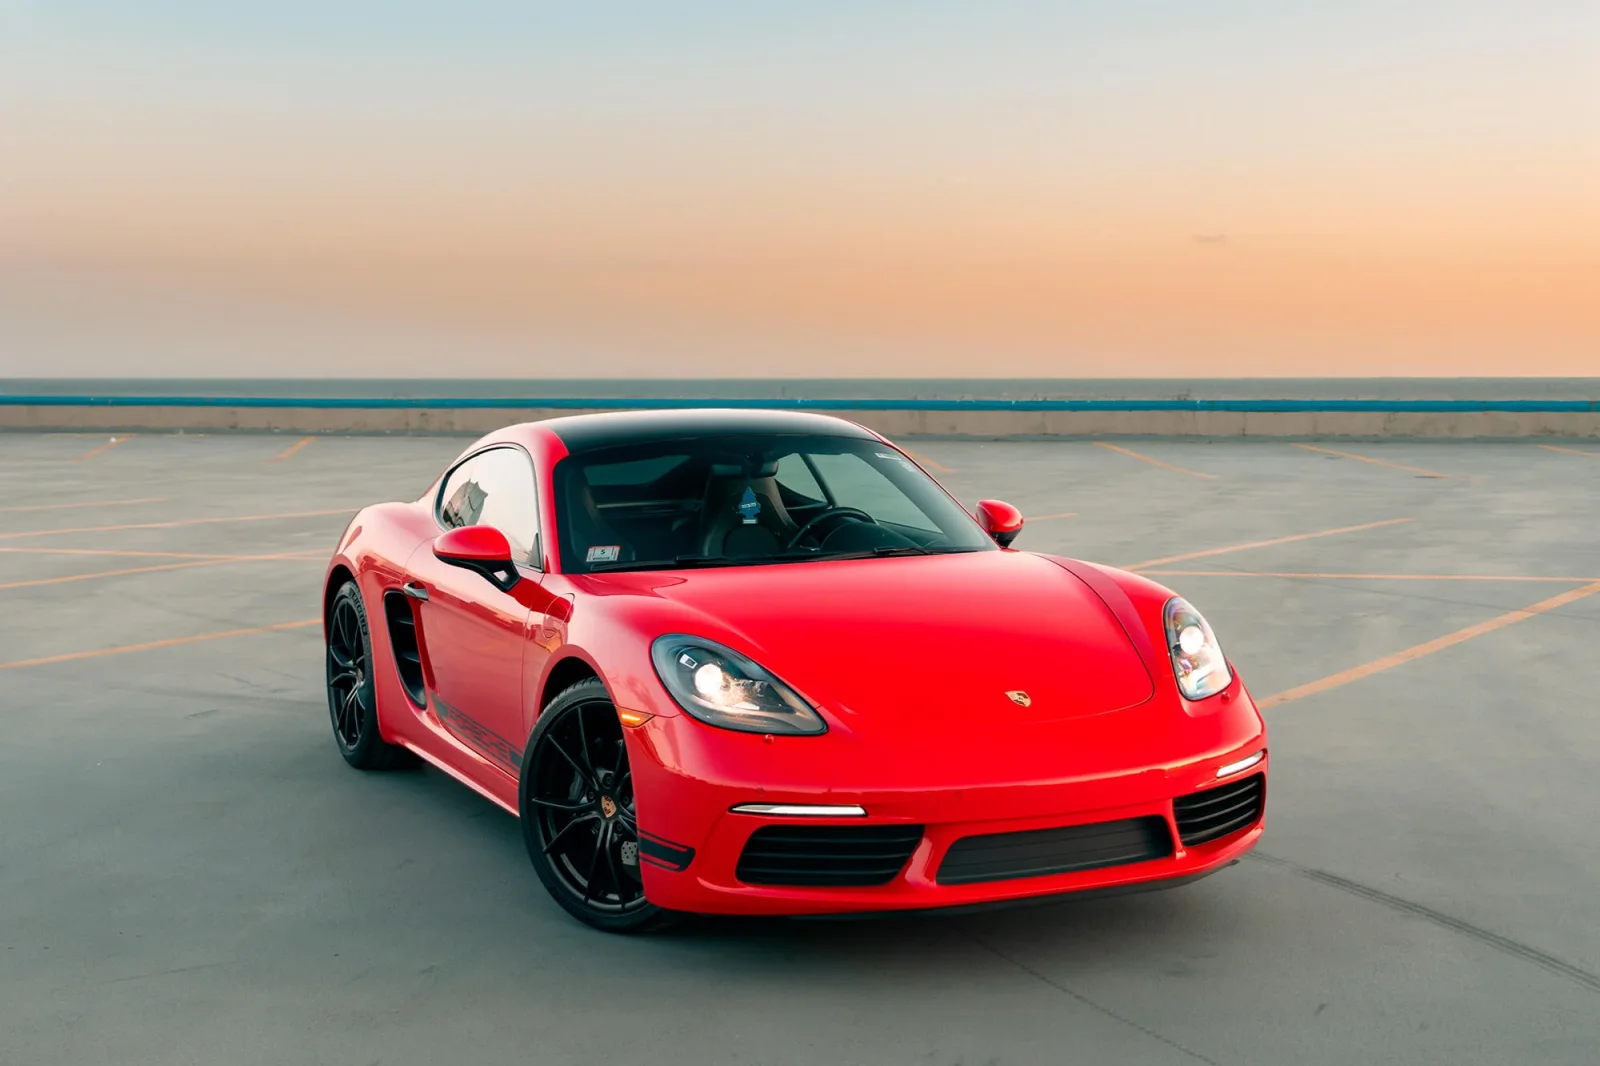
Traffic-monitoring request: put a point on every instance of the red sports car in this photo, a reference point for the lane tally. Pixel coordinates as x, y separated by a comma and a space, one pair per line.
751, 662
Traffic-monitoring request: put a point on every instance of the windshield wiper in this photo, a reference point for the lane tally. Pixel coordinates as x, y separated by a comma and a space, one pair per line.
696, 560
637, 564
685, 562
882, 551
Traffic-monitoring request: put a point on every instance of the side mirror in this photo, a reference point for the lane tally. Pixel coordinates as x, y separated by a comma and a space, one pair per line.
481, 549
1000, 520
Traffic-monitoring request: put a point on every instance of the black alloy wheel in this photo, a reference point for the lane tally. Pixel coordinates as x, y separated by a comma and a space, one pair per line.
352, 691
579, 818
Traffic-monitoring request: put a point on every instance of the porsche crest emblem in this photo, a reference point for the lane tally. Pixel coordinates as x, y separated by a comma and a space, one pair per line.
1019, 697
608, 806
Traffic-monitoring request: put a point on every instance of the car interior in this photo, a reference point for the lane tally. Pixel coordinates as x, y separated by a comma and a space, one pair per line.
733, 505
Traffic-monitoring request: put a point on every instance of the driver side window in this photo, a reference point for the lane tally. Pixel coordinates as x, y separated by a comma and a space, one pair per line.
494, 488
856, 483
795, 478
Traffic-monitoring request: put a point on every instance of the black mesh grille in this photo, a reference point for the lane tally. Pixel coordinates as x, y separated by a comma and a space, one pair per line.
1216, 812
827, 854
1038, 852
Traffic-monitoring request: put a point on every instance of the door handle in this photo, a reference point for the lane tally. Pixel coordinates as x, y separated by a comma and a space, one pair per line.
414, 590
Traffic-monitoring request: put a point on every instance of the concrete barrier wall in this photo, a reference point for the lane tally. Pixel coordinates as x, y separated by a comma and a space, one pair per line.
1352, 418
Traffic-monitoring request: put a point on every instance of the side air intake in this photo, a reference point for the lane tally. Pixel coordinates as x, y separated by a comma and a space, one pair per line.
403, 637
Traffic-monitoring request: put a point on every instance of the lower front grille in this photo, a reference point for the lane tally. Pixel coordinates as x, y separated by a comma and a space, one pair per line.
1040, 852
1216, 812
805, 855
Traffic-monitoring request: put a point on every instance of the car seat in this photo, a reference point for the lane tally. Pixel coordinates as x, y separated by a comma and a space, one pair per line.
723, 529
587, 527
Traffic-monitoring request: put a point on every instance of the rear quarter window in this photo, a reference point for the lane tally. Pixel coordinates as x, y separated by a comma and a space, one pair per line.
633, 472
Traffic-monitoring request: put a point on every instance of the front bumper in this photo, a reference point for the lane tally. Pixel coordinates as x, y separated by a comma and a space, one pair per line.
701, 839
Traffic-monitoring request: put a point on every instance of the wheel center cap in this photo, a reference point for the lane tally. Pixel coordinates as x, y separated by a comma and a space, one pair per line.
608, 806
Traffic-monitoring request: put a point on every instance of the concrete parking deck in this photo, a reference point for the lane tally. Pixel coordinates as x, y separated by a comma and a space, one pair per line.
189, 873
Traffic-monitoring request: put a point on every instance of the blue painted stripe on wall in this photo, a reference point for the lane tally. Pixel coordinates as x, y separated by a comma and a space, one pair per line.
793, 403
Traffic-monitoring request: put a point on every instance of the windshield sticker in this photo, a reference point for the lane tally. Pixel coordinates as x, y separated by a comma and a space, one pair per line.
749, 506
603, 553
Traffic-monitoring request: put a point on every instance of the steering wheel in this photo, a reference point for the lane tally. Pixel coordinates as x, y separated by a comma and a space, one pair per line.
832, 512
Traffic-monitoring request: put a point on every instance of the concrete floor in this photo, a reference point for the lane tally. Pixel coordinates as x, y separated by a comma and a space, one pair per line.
190, 874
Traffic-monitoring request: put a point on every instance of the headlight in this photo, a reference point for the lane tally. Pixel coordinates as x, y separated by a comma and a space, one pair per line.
1196, 656
720, 687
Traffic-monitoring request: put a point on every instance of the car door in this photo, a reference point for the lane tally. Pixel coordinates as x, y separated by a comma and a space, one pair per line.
476, 637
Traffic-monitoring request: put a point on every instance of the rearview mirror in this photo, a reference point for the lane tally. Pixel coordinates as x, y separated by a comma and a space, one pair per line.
481, 549
1000, 520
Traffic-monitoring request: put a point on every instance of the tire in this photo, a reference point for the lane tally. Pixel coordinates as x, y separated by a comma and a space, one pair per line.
578, 814
352, 690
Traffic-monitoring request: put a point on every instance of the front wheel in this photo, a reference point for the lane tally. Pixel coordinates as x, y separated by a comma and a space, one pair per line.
579, 818
352, 690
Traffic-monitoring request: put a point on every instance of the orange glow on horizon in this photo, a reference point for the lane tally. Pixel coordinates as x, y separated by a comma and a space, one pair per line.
1367, 227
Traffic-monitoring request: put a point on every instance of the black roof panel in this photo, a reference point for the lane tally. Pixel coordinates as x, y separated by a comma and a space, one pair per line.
587, 432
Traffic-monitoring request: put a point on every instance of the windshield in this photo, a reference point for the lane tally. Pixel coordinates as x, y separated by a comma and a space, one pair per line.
745, 500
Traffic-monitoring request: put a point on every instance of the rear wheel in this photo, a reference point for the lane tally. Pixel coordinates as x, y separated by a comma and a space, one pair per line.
579, 818
352, 690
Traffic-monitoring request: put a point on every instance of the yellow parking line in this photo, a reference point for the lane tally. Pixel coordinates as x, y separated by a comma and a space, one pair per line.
291, 449
1208, 552
119, 551
1399, 658
90, 503
1366, 577
177, 522
149, 645
1152, 462
1047, 517
65, 578
92, 452
1376, 462
307, 552
1570, 451
932, 464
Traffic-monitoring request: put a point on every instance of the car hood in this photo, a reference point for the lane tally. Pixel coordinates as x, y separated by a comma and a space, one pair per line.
924, 641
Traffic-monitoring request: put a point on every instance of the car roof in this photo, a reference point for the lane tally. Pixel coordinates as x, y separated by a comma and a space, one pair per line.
587, 432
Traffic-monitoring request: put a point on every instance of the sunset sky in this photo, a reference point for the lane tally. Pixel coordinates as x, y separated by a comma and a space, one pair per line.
1121, 189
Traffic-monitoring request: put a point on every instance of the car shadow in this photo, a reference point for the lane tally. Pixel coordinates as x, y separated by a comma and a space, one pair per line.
1161, 922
